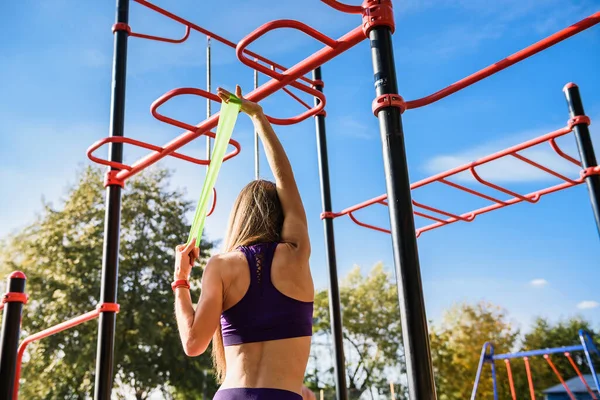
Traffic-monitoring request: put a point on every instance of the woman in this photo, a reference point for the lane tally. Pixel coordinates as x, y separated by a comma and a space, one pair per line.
257, 297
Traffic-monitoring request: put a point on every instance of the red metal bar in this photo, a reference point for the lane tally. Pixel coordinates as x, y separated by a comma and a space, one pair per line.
214, 204
191, 25
590, 391
533, 199
560, 378
158, 149
507, 62
320, 57
343, 7
543, 168
162, 39
298, 99
447, 214
49, 332
469, 216
529, 379
376, 228
510, 379
561, 153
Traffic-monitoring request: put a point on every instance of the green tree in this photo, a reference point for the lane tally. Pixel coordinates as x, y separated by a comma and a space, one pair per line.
456, 343
371, 329
61, 254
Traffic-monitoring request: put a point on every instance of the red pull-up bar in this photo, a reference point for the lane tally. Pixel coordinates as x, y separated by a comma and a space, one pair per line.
106, 307
507, 62
288, 77
471, 167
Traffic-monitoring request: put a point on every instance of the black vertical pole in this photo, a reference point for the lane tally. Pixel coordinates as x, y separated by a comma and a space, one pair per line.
9, 339
406, 259
112, 221
586, 149
334, 291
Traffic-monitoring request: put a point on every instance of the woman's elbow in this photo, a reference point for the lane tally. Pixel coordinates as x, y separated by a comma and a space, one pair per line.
193, 349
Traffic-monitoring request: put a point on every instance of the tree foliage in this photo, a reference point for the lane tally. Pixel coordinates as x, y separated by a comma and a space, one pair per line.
456, 343
371, 330
61, 254
457, 340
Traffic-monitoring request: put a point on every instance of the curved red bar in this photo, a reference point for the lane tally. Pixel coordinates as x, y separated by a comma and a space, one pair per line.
190, 25
532, 197
163, 39
346, 8
507, 62
375, 228
270, 26
214, 204
121, 139
179, 92
45, 333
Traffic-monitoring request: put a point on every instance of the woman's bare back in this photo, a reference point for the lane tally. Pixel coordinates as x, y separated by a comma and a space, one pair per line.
279, 364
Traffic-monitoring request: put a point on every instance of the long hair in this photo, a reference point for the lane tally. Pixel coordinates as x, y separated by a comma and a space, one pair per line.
256, 217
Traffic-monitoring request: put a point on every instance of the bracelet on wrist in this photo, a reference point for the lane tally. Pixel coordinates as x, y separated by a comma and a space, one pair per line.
180, 283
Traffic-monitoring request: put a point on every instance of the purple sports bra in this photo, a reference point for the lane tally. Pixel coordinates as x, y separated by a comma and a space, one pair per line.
264, 313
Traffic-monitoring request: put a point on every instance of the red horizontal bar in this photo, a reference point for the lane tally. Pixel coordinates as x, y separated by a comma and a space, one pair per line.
308, 64
45, 333
162, 39
497, 204
158, 149
376, 228
204, 31
507, 62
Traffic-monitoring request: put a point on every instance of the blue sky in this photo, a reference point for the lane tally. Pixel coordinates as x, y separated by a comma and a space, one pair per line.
537, 259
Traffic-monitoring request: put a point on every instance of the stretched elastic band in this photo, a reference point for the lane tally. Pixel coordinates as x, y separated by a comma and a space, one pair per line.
227, 118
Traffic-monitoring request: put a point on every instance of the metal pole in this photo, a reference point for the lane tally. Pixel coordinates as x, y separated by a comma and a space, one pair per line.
408, 276
208, 102
585, 147
112, 221
334, 292
11, 330
256, 141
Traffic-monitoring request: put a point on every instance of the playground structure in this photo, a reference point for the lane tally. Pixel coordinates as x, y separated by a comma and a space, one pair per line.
378, 26
587, 347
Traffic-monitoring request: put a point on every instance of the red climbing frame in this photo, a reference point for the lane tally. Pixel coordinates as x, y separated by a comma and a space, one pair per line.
281, 77
469, 216
106, 307
443, 217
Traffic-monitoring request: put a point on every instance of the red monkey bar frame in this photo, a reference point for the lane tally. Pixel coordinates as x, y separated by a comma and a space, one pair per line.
63, 326
449, 218
516, 198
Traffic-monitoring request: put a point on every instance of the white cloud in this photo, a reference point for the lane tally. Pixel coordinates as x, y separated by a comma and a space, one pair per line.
588, 304
511, 169
538, 282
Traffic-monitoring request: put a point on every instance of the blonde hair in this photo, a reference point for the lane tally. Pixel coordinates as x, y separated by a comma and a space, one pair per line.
256, 217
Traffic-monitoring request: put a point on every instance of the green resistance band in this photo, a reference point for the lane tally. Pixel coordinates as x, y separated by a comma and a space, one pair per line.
227, 118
